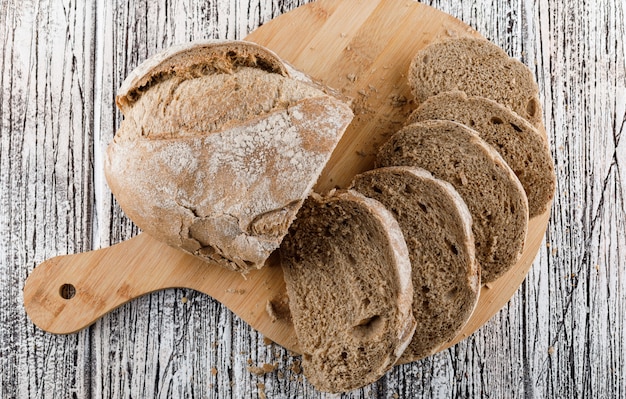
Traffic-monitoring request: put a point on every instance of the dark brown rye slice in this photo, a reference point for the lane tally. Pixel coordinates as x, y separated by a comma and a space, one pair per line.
437, 228
523, 148
478, 68
494, 196
348, 278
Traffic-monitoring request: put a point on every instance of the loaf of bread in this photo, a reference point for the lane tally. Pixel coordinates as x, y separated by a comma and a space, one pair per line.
220, 144
478, 68
348, 278
437, 227
523, 148
493, 194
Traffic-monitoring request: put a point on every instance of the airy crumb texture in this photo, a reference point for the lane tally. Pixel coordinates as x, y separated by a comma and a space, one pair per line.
523, 148
219, 146
478, 68
348, 279
437, 227
494, 196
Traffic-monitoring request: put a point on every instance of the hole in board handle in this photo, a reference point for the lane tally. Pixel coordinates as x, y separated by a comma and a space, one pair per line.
67, 291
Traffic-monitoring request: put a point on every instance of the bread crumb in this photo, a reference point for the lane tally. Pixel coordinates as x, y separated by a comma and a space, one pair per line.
551, 350
238, 291
214, 370
184, 299
488, 285
451, 33
264, 369
398, 100
395, 395
351, 77
267, 341
296, 367
278, 308
261, 388
280, 374
342, 34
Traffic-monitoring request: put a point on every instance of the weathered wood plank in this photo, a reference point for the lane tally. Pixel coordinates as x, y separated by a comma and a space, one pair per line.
561, 335
45, 201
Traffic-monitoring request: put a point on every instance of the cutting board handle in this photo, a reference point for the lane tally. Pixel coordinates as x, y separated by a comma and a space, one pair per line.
68, 293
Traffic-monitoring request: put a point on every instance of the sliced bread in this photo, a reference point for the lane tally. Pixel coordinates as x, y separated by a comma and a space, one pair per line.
494, 196
348, 278
478, 68
523, 148
220, 144
437, 227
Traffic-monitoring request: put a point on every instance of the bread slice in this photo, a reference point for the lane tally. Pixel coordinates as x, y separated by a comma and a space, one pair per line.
220, 144
478, 68
437, 227
494, 196
348, 278
523, 148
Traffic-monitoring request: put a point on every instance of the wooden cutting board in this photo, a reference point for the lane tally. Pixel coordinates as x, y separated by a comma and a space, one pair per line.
362, 48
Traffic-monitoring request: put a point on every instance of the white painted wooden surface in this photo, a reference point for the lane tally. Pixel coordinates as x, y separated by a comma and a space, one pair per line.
61, 61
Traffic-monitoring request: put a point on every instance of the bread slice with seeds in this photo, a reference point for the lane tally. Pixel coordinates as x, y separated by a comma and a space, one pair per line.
478, 68
523, 148
494, 196
437, 228
348, 277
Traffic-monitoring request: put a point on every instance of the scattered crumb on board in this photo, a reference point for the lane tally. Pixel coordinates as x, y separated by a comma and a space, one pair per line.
278, 308
239, 291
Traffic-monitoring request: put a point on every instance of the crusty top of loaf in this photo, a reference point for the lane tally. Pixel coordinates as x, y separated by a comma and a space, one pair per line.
478, 68
347, 271
521, 145
199, 58
437, 227
493, 194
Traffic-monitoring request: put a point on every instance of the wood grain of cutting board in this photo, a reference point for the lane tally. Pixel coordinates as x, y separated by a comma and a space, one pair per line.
362, 48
